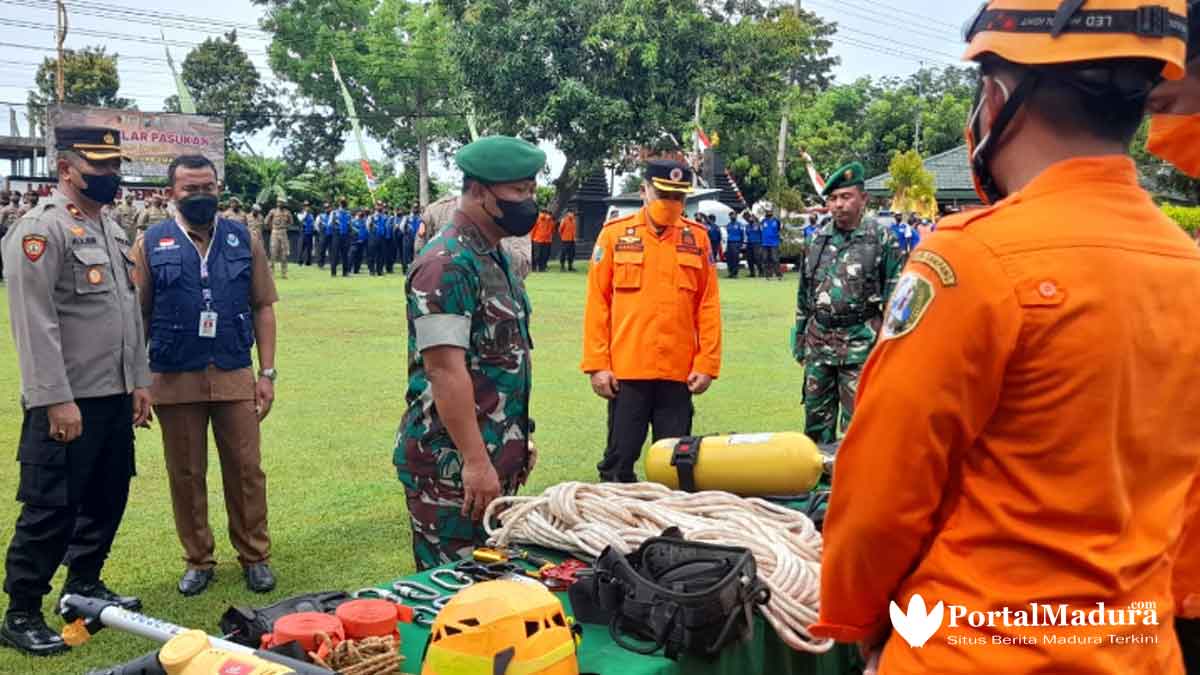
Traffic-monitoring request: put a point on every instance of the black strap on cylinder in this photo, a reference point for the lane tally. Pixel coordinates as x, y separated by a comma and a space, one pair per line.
684, 459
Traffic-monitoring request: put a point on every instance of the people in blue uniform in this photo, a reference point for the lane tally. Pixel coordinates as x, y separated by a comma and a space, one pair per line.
735, 235
753, 244
769, 263
342, 234
905, 233
714, 237
307, 234
359, 238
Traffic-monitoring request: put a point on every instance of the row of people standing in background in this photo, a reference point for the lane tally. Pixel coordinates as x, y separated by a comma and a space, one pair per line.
745, 235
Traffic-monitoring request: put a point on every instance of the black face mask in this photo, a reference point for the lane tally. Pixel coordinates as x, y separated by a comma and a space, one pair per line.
199, 210
516, 218
101, 189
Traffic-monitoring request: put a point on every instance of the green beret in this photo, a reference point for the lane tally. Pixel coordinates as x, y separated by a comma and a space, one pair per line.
847, 175
500, 159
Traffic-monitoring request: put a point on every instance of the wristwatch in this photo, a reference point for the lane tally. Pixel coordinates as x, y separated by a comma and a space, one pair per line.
268, 373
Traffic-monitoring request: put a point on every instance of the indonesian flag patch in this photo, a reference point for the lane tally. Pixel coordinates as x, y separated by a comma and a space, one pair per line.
34, 246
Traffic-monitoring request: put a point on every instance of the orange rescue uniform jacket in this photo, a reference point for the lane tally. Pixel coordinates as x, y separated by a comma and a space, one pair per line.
1024, 433
566, 229
653, 306
543, 229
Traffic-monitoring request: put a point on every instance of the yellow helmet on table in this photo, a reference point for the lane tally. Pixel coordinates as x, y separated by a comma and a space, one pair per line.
502, 627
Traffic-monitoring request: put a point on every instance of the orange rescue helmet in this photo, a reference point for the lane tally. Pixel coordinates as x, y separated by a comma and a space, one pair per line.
1051, 32
503, 627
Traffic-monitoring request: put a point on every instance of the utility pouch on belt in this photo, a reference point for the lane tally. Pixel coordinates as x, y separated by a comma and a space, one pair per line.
247, 625
672, 594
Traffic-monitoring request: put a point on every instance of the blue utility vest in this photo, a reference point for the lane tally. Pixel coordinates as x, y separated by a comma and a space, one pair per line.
770, 233
360, 229
380, 228
343, 221
179, 298
734, 232
326, 220
307, 221
754, 234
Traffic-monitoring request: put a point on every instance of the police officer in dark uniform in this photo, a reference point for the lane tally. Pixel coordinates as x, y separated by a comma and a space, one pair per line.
85, 379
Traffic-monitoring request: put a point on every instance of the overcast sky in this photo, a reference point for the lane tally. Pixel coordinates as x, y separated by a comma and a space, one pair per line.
876, 37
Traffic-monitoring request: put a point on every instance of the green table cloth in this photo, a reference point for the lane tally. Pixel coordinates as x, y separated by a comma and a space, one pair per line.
765, 653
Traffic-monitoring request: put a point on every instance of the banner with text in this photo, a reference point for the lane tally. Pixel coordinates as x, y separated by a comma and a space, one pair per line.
150, 139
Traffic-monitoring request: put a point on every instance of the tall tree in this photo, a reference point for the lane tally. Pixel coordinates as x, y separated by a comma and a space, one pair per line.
89, 78
393, 57
870, 120
597, 78
313, 138
223, 81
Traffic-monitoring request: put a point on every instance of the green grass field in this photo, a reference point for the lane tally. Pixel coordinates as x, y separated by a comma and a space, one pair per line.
337, 514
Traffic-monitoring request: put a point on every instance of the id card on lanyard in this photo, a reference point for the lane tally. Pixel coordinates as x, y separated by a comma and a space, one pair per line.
208, 318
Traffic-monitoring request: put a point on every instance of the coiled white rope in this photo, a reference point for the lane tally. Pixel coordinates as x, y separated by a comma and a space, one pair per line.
585, 518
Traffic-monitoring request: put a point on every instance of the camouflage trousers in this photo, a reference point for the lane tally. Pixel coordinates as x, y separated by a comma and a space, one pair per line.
825, 387
440, 533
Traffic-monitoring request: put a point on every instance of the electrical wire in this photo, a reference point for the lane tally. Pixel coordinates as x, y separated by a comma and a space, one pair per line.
949, 38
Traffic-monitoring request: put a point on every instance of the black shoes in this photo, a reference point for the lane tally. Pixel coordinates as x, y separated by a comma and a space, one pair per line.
195, 582
27, 632
259, 578
97, 589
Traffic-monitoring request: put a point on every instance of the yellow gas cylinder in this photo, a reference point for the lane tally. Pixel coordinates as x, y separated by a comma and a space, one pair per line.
191, 653
748, 465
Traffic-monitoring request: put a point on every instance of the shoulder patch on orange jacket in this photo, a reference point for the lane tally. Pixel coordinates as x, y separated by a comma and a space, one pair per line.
912, 297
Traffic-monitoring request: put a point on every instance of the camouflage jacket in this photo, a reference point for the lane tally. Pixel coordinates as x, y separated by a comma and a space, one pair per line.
462, 292
845, 281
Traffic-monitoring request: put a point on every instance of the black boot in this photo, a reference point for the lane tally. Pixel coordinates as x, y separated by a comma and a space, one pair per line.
27, 633
97, 589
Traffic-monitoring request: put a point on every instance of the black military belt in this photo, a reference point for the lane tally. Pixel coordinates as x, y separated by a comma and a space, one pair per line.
831, 320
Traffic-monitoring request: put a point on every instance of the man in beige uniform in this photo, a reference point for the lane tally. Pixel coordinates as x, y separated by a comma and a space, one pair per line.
127, 216
235, 211
82, 356
438, 215
279, 220
255, 221
153, 214
191, 388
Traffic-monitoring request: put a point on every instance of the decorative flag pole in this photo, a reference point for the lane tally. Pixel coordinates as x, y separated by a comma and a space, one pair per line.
362, 149
186, 103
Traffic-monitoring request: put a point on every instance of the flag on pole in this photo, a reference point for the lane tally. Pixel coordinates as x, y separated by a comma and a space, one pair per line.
362, 149
186, 104
813, 175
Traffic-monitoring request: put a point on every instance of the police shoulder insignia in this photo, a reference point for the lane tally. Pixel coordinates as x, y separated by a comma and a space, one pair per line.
34, 246
74, 211
938, 264
78, 231
912, 297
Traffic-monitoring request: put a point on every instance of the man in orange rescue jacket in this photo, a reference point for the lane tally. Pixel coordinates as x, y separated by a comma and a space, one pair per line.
652, 324
543, 239
1175, 137
1016, 477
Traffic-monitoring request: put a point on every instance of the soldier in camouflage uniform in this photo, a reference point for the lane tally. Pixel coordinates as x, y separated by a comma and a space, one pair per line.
465, 437
849, 269
437, 215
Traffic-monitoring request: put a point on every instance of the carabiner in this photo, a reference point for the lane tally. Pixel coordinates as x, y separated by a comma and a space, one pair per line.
457, 582
424, 616
412, 590
380, 593
442, 601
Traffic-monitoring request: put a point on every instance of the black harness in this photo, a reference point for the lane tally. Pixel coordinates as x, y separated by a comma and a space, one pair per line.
674, 595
